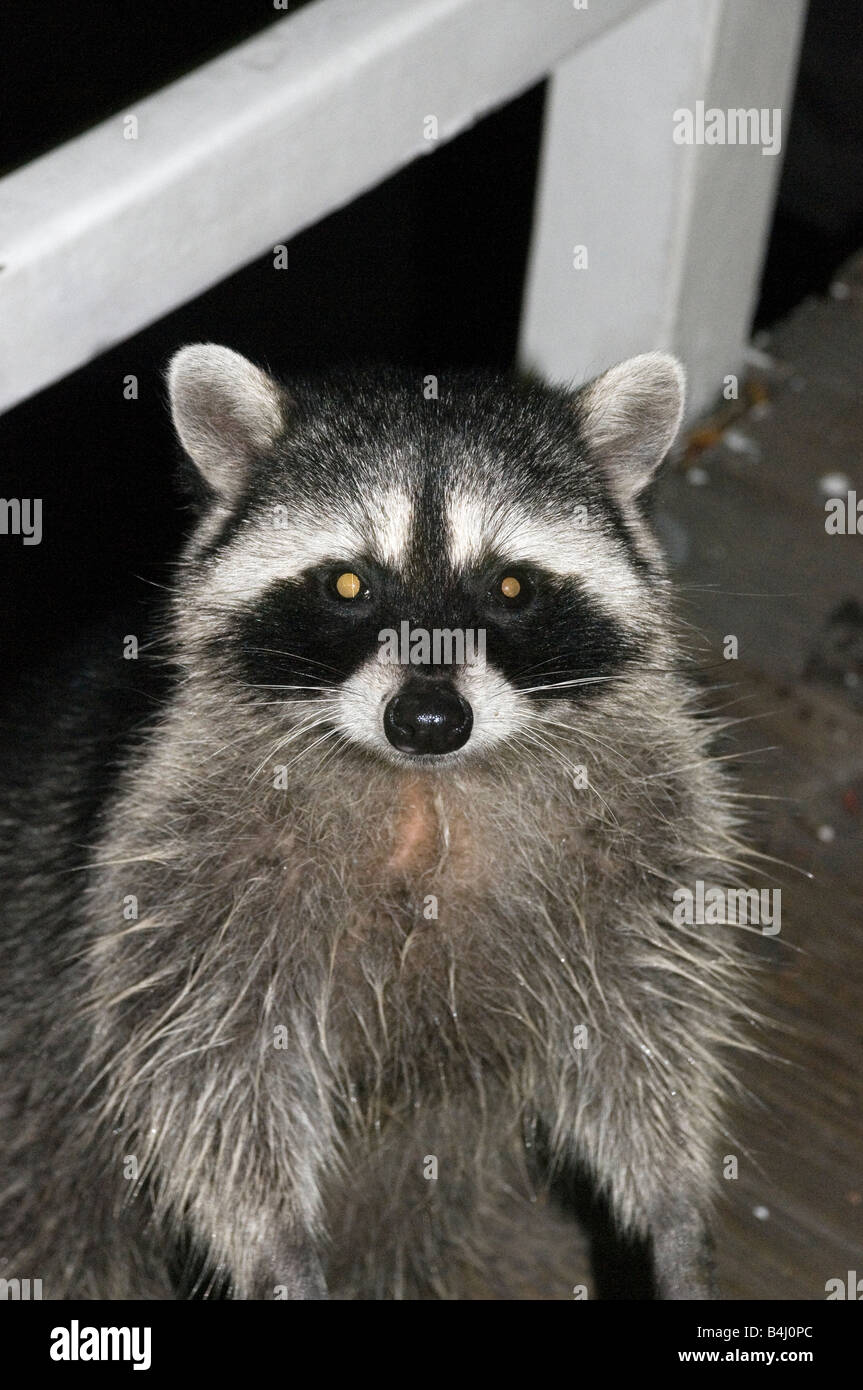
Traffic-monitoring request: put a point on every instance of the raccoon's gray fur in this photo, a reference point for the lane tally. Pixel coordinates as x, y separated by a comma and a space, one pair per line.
290, 971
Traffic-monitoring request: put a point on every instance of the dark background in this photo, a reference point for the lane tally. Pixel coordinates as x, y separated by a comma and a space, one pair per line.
425, 269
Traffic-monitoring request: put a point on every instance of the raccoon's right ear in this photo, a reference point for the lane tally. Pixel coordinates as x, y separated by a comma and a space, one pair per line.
629, 417
226, 411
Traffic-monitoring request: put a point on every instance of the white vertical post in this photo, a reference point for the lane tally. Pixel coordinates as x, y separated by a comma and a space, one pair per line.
641, 242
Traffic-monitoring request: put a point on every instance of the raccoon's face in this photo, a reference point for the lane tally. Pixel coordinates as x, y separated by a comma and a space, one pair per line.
416, 571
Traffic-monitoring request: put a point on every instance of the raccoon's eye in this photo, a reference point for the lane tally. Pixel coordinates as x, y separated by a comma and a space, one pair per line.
349, 585
512, 589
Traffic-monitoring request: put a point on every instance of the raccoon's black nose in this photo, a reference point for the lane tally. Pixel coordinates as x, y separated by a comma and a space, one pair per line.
428, 718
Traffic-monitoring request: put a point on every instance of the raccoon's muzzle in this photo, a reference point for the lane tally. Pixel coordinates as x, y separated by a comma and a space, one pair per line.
427, 717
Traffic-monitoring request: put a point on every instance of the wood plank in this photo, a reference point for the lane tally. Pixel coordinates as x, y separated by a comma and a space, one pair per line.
106, 234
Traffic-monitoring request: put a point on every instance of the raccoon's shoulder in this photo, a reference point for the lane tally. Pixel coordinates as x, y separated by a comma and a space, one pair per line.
66, 730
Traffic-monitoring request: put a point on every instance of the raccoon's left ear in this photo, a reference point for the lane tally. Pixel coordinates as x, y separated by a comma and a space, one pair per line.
226, 411
629, 417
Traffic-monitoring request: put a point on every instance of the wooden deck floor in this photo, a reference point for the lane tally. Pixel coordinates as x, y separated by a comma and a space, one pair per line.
755, 561
742, 512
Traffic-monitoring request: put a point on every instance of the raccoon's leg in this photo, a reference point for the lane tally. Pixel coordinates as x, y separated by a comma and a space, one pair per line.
656, 1168
681, 1243
683, 1253
288, 1268
264, 1255
257, 1237
258, 1259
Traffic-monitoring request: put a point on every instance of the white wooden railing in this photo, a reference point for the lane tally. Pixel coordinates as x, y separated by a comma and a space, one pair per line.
111, 231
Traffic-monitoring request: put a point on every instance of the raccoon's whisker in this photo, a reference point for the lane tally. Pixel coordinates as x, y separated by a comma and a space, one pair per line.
305, 751
576, 735
720, 725
726, 859
734, 593
247, 736
342, 741
729, 793
711, 710
534, 666
555, 752
655, 872
642, 670
296, 656
519, 740
771, 859
160, 858
561, 685
328, 753
304, 727
253, 733
329, 688
506, 683
713, 758
153, 583
306, 706
288, 704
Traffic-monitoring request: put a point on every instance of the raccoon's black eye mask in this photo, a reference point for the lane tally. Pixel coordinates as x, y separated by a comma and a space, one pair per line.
543, 631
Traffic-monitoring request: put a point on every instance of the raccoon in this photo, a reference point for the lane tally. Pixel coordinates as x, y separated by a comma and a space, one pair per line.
309, 967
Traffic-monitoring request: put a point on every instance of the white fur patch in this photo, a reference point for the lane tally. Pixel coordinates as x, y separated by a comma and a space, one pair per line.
281, 546
568, 547
390, 525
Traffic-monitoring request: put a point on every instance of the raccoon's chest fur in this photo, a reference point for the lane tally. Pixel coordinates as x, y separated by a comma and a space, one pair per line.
403, 931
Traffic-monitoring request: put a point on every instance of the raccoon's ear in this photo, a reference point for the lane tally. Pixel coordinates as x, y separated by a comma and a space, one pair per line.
225, 411
629, 417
